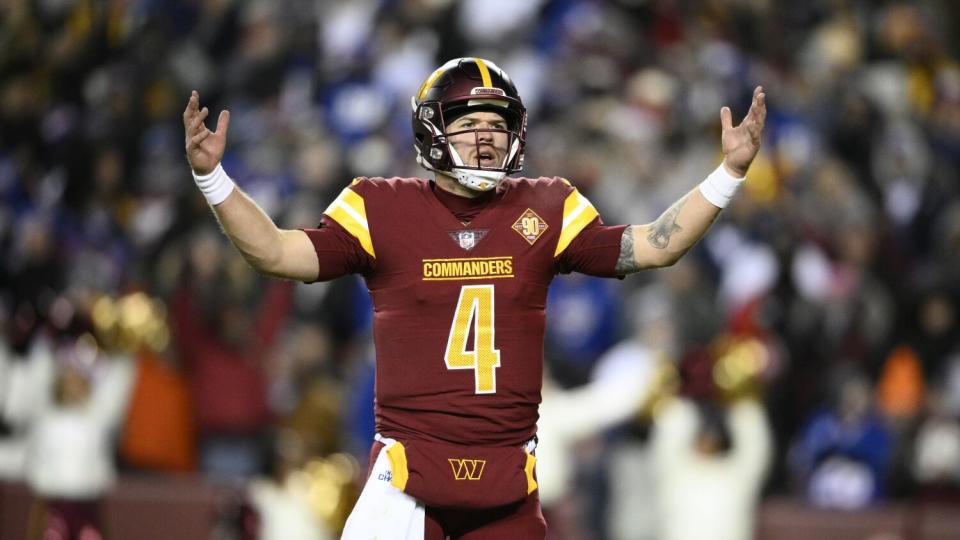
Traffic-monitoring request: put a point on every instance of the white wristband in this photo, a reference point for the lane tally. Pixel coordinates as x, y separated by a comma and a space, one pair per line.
216, 186
720, 186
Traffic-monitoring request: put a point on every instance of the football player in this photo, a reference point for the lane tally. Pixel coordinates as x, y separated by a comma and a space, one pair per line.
458, 268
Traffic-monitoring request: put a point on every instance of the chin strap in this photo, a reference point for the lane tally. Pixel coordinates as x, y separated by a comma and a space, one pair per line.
478, 180
469, 178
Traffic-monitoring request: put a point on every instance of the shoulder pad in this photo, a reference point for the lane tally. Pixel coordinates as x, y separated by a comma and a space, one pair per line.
350, 211
578, 212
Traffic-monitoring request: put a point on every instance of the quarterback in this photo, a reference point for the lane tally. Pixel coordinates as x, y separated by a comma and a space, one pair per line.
458, 268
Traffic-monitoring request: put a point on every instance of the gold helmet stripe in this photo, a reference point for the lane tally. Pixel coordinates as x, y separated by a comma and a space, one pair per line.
484, 72
428, 84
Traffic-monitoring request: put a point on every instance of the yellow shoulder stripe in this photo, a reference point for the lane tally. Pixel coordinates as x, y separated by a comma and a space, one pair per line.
484, 72
397, 455
349, 211
577, 214
528, 469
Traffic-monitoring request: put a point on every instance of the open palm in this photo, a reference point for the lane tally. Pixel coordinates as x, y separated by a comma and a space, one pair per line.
204, 147
741, 143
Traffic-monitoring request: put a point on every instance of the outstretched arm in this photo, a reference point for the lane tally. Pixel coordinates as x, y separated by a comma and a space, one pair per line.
664, 241
267, 248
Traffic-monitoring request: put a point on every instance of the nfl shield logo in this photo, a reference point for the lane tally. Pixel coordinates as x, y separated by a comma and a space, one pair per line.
467, 240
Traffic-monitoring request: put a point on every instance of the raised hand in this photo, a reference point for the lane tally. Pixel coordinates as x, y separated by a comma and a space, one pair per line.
204, 147
740, 144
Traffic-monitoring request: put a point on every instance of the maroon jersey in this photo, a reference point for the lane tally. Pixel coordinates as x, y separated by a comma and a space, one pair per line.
459, 309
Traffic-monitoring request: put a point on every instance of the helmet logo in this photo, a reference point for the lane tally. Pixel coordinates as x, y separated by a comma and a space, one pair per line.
436, 153
487, 91
530, 226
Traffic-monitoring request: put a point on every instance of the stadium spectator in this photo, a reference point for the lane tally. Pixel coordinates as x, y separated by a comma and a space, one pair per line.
224, 348
160, 432
843, 455
571, 418
72, 400
282, 499
934, 460
710, 462
583, 322
630, 513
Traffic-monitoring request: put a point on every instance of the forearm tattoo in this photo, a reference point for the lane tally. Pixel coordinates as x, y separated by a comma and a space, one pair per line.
659, 235
627, 263
665, 226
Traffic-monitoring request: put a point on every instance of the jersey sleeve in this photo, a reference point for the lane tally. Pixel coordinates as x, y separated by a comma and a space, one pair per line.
586, 245
338, 252
594, 251
342, 239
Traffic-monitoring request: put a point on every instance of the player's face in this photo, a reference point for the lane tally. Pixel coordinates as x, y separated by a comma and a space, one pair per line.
482, 148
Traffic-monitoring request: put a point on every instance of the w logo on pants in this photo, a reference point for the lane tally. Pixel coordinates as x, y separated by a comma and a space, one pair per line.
467, 469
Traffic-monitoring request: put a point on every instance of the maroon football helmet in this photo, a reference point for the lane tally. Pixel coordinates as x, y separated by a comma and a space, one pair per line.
462, 86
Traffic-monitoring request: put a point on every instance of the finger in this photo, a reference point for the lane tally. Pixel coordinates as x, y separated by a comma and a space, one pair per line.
726, 118
223, 123
758, 95
200, 117
758, 113
762, 104
196, 123
188, 111
199, 138
759, 118
192, 104
198, 135
757, 107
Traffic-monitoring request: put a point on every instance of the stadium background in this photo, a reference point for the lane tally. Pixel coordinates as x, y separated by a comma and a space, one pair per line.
830, 287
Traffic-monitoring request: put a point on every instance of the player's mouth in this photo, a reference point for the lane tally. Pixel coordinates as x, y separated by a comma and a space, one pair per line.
487, 158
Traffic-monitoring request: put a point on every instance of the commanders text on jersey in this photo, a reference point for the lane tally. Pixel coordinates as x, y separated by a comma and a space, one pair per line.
472, 268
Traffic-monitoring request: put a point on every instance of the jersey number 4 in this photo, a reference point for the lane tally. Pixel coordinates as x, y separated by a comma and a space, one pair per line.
474, 312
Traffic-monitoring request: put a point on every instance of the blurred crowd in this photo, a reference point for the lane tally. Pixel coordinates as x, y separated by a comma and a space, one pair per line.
809, 345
